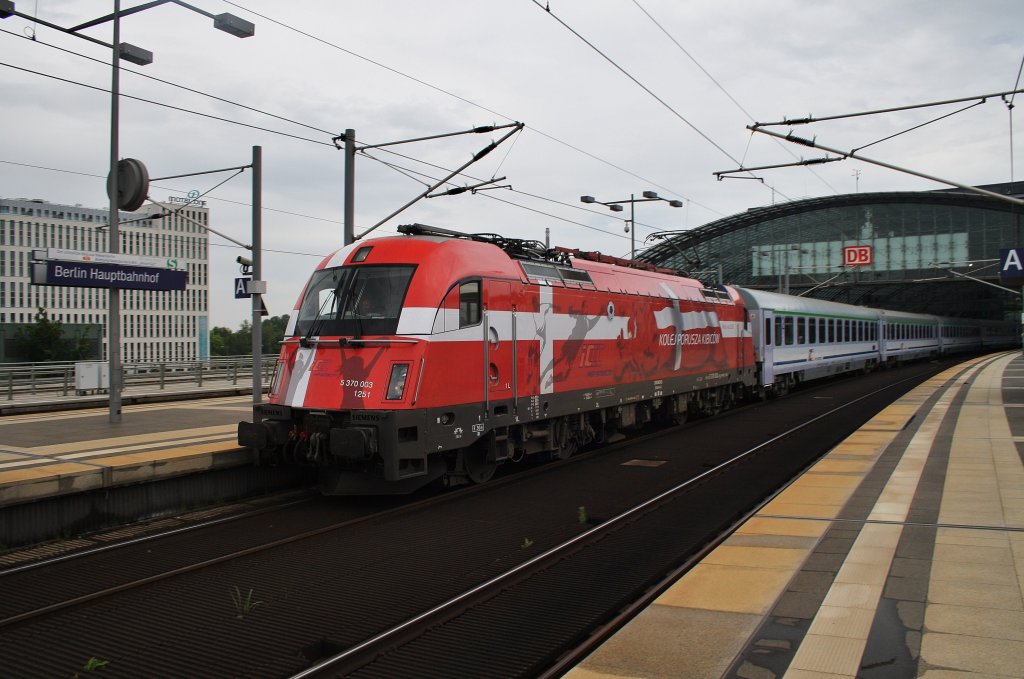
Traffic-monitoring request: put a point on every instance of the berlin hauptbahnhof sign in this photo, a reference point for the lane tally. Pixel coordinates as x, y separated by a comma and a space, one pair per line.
82, 269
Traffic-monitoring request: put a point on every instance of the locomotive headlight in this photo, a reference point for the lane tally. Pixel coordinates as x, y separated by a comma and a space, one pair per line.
396, 385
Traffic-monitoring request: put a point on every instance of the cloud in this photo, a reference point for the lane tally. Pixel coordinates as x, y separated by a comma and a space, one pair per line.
488, 62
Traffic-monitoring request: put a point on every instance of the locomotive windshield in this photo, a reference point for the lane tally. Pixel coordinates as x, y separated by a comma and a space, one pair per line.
354, 301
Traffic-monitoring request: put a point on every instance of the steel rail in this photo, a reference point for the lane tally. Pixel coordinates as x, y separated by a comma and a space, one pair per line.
99, 594
449, 496
572, 657
456, 604
121, 544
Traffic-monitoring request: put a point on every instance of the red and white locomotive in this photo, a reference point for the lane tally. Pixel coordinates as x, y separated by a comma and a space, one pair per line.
439, 355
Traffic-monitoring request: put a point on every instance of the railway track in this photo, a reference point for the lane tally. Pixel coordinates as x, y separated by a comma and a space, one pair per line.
665, 533
499, 582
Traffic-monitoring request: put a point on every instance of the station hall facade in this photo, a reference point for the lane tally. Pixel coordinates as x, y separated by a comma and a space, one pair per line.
934, 252
157, 326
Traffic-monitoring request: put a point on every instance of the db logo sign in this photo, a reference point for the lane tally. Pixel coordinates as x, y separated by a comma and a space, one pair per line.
857, 255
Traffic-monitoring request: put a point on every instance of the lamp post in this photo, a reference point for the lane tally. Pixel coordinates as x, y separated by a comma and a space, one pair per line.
114, 294
616, 206
228, 23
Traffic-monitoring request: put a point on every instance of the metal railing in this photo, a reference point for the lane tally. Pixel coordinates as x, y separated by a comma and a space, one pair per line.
58, 378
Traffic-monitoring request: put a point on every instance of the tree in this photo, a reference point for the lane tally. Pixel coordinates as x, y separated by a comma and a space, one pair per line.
220, 338
48, 340
273, 332
225, 342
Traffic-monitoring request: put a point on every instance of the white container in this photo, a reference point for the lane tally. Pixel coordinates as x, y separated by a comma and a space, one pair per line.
92, 376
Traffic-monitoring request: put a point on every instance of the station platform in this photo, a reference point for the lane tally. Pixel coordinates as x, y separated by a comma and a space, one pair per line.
899, 554
50, 454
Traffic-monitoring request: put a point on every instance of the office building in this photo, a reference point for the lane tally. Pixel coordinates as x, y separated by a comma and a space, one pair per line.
156, 325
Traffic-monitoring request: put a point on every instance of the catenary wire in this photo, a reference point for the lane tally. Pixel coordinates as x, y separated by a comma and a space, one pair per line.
282, 118
402, 170
170, 83
646, 89
1009, 110
637, 82
252, 126
728, 95
311, 126
474, 104
174, 108
524, 193
166, 188
408, 171
916, 127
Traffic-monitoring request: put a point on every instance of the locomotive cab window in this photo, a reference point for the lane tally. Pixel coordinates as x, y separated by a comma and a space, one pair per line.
353, 301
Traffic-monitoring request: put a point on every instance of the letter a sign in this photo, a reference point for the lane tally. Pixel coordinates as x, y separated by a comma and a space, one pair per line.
1011, 265
242, 288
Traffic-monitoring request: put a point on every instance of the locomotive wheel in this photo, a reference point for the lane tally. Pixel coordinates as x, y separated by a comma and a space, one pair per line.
478, 461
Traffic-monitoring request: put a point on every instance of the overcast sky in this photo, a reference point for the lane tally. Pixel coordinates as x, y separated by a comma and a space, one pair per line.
401, 69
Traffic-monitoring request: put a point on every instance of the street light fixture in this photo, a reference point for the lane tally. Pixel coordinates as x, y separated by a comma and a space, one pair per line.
616, 206
228, 23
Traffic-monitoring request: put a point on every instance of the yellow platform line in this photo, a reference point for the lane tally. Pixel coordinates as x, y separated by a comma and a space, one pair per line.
29, 459
239, 401
748, 573
974, 616
19, 485
838, 634
154, 438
